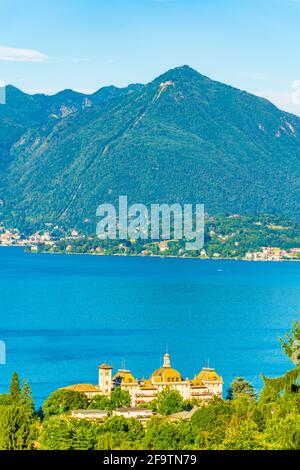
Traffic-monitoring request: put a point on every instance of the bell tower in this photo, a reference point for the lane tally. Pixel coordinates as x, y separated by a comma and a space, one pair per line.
167, 360
105, 379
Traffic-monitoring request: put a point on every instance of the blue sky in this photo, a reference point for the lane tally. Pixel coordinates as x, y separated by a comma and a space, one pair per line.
49, 45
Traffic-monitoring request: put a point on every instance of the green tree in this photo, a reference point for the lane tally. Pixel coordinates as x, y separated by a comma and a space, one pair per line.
169, 401
186, 435
119, 398
135, 431
241, 388
15, 389
246, 437
120, 433
161, 435
211, 421
284, 432
116, 425
5, 399
63, 401
106, 441
84, 434
291, 342
56, 434
289, 382
26, 396
99, 402
17, 428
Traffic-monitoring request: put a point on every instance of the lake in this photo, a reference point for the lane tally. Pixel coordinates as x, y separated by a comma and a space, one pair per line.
61, 316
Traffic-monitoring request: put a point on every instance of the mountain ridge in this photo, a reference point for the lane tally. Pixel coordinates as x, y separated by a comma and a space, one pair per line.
180, 138
165, 75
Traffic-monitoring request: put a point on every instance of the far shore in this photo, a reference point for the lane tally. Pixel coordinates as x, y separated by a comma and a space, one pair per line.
63, 253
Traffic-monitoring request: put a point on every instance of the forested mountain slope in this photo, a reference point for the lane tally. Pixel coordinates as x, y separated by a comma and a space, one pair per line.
182, 137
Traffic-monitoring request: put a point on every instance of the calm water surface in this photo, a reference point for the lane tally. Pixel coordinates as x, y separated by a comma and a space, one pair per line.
61, 316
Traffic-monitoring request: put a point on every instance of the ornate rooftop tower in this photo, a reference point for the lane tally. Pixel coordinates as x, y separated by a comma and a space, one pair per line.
167, 360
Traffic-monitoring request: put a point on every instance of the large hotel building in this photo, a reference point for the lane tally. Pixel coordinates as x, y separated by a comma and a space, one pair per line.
204, 386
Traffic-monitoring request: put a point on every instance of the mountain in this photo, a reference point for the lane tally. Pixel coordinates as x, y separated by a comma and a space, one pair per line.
180, 138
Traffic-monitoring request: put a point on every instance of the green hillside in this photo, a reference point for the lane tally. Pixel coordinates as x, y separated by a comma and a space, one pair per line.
182, 137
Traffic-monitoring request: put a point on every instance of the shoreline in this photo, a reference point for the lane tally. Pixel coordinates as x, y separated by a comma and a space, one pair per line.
62, 253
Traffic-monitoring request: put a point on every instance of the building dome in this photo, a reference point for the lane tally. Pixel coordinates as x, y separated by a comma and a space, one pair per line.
124, 376
207, 375
166, 373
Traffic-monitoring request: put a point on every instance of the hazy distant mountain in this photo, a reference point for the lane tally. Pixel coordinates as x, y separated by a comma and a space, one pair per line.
182, 137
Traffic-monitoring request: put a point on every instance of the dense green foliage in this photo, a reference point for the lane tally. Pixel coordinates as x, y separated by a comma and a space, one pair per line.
63, 433
241, 388
119, 398
291, 343
225, 236
289, 382
236, 424
180, 138
17, 429
18, 424
62, 401
167, 402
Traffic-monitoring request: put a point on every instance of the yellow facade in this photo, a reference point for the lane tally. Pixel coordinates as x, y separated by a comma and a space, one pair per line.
205, 385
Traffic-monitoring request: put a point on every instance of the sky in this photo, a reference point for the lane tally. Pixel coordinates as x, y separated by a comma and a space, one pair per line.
50, 45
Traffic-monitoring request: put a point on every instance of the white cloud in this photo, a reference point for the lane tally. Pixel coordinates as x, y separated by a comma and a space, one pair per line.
21, 55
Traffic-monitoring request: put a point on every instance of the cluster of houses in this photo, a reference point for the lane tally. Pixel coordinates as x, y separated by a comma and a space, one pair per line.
10, 237
14, 238
273, 254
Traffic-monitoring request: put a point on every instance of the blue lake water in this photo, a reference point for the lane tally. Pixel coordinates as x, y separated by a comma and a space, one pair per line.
61, 316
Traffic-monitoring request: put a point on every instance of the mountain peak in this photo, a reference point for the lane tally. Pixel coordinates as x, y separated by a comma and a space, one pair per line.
185, 69
11, 89
68, 93
181, 73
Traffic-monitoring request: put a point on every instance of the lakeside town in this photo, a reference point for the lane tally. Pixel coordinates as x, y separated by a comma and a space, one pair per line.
226, 237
